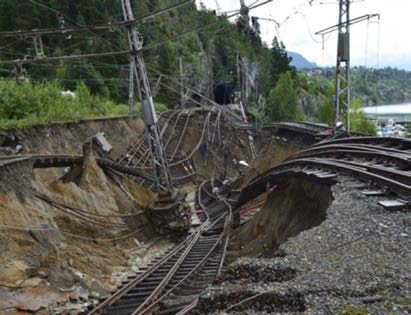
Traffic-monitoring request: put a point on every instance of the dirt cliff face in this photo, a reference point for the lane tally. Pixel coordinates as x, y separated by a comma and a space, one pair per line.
65, 236
73, 239
67, 138
295, 205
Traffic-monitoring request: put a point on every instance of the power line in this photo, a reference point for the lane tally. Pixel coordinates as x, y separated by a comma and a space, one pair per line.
203, 27
192, 90
110, 26
347, 23
124, 52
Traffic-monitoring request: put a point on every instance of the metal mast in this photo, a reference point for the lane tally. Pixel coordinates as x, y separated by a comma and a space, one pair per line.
343, 64
342, 95
162, 176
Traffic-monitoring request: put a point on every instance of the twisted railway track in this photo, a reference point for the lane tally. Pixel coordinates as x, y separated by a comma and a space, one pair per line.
173, 130
385, 162
172, 283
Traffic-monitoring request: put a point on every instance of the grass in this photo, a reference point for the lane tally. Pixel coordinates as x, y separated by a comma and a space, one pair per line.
36, 103
41, 103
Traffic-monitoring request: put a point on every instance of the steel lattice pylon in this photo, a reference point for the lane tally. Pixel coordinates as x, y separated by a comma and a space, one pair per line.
342, 101
138, 70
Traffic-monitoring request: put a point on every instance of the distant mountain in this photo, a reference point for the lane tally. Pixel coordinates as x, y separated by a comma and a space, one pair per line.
300, 62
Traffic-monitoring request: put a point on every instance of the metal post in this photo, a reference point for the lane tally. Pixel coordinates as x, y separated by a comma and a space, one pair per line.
131, 88
343, 64
161, 172
181, 83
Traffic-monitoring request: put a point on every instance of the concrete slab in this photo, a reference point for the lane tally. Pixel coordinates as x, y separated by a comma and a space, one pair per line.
392, 205
374, 192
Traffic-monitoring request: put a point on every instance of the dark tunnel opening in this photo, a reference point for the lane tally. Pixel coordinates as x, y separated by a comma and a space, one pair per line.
223, 92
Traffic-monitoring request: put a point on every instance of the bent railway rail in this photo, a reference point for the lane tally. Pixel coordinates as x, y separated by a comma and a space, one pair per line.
173, 283
385, 162
173, 130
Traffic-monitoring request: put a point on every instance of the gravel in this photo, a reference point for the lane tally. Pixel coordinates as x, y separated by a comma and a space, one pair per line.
355, 262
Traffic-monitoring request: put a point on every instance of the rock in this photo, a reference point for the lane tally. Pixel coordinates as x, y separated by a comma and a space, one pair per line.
17, 271
32, 299
31, 282
72, 296
42, 273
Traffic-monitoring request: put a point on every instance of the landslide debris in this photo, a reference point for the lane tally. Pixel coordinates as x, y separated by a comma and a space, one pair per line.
55, 235
296, 204
356, 261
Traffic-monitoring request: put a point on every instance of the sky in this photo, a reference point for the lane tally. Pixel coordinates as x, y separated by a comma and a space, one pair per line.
375, 44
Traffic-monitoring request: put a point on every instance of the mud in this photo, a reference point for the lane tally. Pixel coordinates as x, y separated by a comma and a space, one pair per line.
56, 234
294, 205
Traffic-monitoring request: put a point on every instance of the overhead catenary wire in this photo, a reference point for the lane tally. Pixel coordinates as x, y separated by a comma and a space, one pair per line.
193, 90
91, 28
126, 52
145, 18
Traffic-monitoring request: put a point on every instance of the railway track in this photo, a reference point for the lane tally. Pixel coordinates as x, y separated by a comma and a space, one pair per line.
172, 283
301, 127
135, 163
381, 161
173, 130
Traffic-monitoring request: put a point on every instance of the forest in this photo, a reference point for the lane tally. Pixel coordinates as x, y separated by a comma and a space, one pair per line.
209, 57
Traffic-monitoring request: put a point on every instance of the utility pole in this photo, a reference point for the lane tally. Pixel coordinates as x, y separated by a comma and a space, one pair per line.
342, 85
161, 172
343, 64
181, 83
131, 87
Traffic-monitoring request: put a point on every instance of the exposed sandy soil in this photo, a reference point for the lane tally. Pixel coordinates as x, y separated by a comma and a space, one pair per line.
43, 243
45, 240
68, 138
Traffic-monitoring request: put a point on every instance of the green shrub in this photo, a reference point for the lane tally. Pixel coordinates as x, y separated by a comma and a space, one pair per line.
282, 103
360, 123
37, 103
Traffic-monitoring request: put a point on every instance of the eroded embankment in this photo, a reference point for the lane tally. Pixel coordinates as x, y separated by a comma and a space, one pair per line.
296, 204
65, 241
73, 240
344, 256
68, 138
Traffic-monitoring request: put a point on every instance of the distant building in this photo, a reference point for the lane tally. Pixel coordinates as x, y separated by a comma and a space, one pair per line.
399, 113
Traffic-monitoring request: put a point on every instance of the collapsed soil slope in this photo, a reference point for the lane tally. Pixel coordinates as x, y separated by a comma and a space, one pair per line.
355, 262
68, 138
75, 240
55, 235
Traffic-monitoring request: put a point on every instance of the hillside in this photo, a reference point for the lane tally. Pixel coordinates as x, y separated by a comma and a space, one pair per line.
373, 86
208, 56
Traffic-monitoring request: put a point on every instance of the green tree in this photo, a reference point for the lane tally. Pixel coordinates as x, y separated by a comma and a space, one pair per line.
360, 123
408, 129
326, 106
282, 103
279, 61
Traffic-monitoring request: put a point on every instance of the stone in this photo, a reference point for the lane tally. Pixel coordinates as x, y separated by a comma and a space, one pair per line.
31, 282
73, 296
16, 272
32, 299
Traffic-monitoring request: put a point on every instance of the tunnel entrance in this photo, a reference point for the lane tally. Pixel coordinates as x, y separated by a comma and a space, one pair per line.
223, 92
